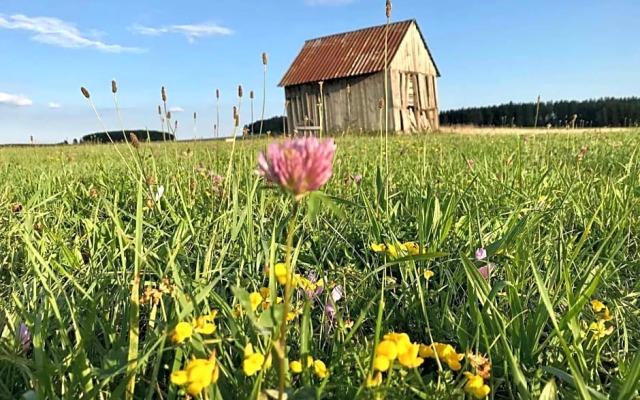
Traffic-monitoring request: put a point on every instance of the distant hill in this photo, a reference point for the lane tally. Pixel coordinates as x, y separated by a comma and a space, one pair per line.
117, 136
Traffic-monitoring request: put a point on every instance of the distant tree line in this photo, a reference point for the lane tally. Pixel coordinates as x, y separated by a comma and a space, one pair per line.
275, 125
118, 136
603, 112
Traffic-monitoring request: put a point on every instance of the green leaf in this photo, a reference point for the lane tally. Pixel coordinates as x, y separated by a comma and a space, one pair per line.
550, 391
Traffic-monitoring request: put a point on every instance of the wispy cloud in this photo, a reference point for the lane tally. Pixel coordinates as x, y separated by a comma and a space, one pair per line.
176, 109
190, 31
54, 105
15, 100
328, 2
57, 32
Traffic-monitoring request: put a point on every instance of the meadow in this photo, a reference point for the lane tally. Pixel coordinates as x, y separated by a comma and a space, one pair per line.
510, 261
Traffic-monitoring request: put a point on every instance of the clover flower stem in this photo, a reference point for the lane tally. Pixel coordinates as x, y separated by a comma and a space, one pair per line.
287, 301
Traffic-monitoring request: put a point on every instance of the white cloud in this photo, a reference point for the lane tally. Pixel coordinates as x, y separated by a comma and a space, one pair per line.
176, 109
190, 31
60, 33
54, 105
328, 2
16, 100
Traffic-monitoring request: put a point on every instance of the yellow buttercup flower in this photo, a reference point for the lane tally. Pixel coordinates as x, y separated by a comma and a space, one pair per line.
388, 349
253, 361
412, 248
198, 374
381, 363
374, 381
238, 311
401, 340
256, 299
475, 386
410, 359
428, 274
601, 310
295, 367
391, 249
281, 273
320, 369
444, 352
181, 332
378, 247
600, 330
597, 305
204, 324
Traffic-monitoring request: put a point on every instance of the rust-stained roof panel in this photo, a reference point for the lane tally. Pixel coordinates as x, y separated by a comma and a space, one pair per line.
346, 54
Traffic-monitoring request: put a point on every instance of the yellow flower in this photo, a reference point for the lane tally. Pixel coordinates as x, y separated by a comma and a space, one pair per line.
295, 367
401, 340
253, 361
181, 332
381, 363
198, 374
256, 299
204, 324
409, 358
601, 310
388, 349
238, 311
320, 369
475, 386
378, 247
412, 248
281, 273
444, 352
309, 362
428, 274
374, 381
600, 330
597, 305
391, 249
291, 315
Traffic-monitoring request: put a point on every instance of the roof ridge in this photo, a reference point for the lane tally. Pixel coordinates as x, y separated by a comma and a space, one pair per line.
362, 29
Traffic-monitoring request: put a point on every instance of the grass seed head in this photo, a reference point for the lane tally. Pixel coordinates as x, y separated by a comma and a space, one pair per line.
85, 92
388, 9
114, 86
168, 114
217, 93
164, 94
264, 58
159, 110
380, 102
251, 95
240, 91
134, 140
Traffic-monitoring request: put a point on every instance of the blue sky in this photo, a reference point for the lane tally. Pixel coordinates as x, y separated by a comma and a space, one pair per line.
487, 51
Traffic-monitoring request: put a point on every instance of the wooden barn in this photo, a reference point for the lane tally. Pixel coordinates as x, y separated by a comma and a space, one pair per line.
341, 79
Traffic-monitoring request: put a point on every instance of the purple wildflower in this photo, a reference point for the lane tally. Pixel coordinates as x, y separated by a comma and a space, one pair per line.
357, 178
25, 336
299, 165
481, 253
485, 270
329, 308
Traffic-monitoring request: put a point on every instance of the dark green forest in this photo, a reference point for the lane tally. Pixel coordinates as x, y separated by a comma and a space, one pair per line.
117, 136
274, 124
604, 112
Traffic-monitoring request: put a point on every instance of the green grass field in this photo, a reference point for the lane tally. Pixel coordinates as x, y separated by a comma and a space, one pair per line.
100, 274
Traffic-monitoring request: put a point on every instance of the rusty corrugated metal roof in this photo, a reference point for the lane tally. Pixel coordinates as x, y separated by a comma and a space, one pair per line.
347, 54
